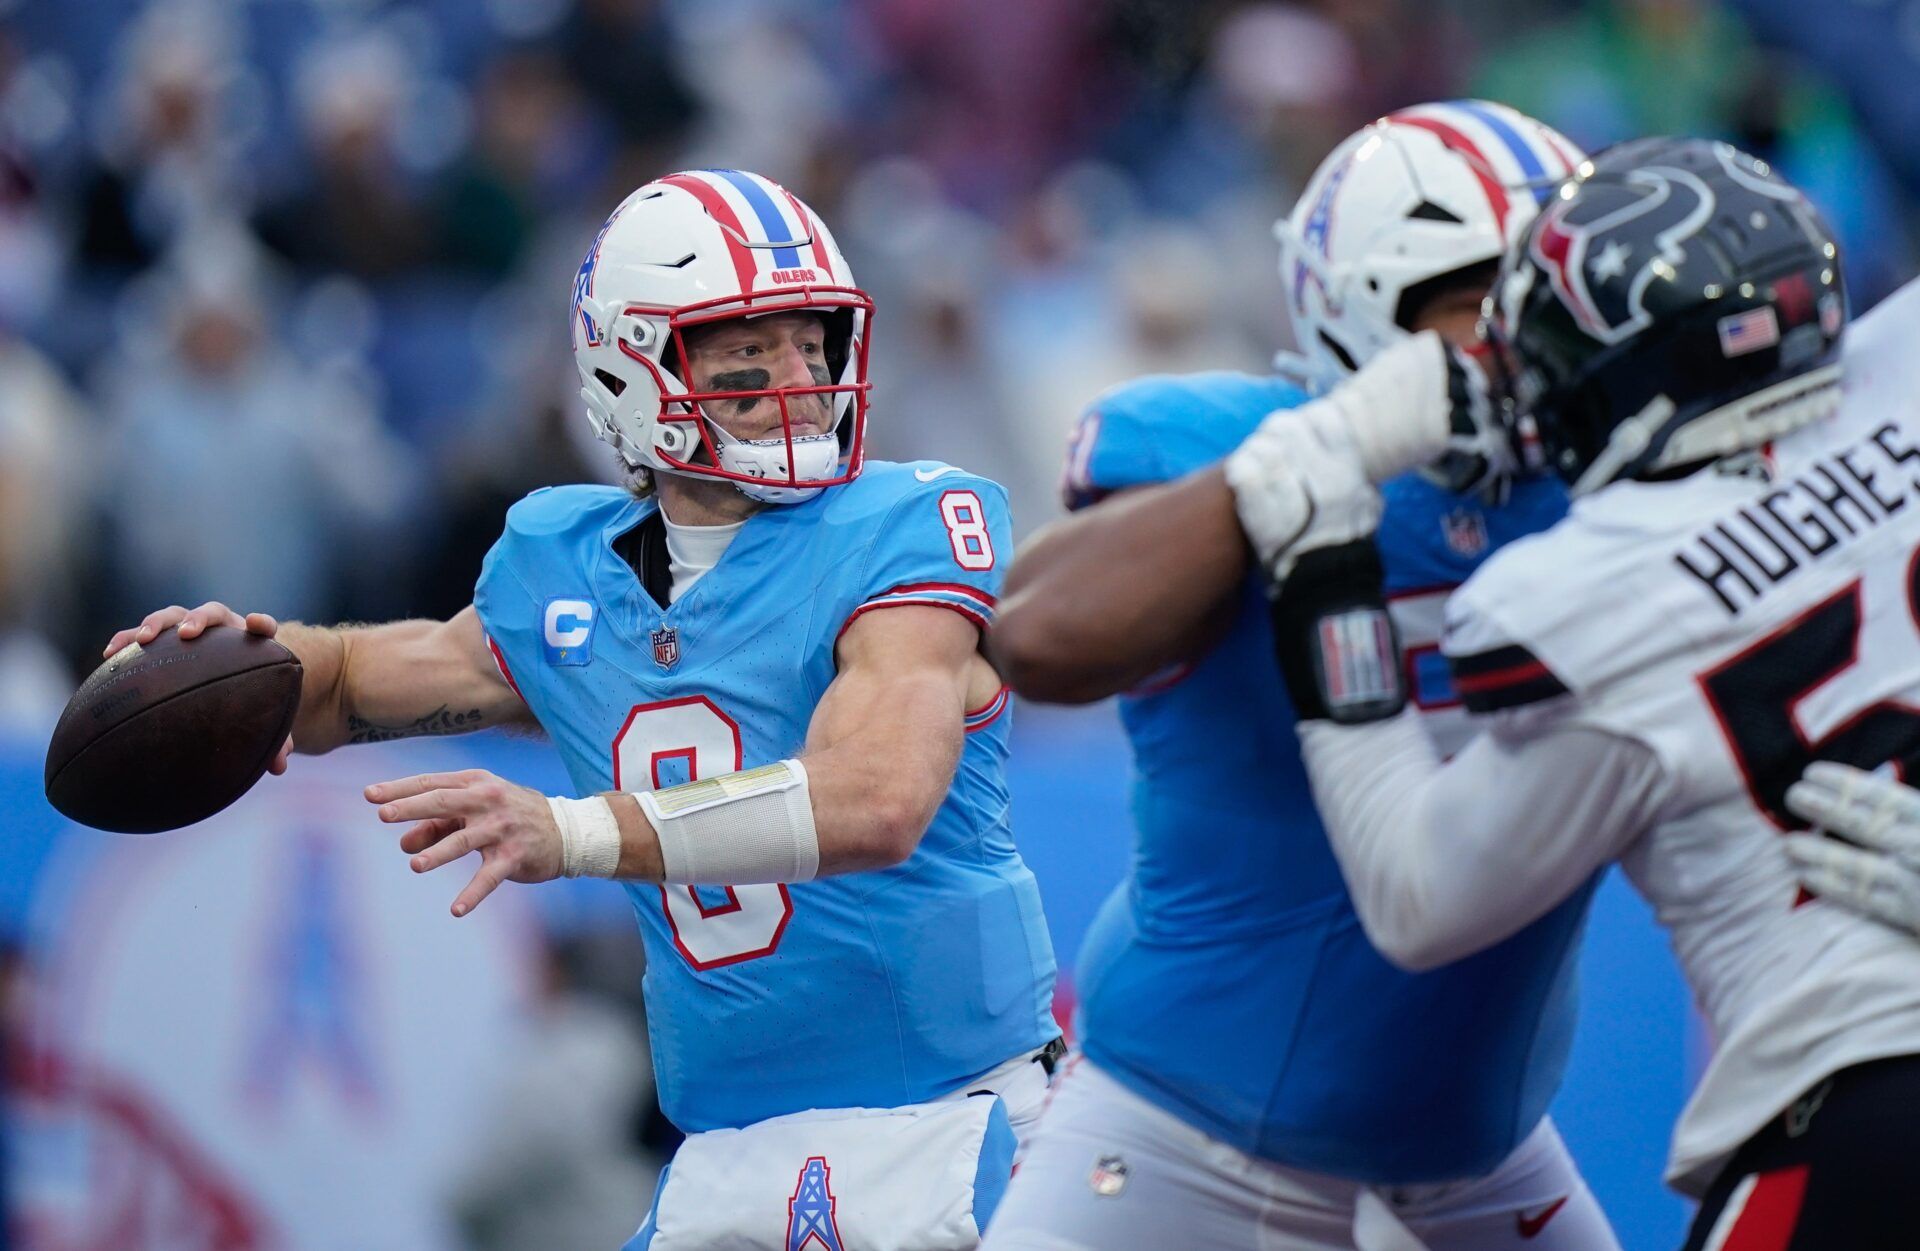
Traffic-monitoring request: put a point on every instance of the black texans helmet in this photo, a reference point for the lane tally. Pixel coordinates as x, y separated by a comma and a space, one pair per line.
1675, 302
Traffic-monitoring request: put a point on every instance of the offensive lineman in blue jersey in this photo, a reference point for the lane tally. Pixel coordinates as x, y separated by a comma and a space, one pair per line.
1255, 1073
802, 793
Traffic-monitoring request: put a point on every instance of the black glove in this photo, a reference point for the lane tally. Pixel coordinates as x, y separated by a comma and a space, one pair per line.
1480, 456
1339, 653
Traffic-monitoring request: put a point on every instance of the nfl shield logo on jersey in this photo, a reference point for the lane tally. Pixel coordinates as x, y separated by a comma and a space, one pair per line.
810, 1219
1109, 1176
1466, 530
666, 647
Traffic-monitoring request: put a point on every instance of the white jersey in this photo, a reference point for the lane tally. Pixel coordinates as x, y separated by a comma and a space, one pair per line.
1737, 626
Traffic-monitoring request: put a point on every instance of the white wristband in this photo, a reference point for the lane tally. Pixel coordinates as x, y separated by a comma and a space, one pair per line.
589, 836
738, 829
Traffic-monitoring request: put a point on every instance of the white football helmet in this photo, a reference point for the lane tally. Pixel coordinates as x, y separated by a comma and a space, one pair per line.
1413, 197
704, 246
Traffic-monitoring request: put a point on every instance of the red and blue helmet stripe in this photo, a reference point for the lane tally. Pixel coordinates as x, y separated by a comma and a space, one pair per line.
1506, 150
766, 226
774, 228
1529, 161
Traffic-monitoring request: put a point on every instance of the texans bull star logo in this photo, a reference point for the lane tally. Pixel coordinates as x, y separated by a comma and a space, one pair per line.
1599, 269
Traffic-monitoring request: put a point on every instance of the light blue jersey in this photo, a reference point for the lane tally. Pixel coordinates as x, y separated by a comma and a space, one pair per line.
1228, 980
870, 989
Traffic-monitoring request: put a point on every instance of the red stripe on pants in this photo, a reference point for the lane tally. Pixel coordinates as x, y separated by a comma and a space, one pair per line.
1772, 1210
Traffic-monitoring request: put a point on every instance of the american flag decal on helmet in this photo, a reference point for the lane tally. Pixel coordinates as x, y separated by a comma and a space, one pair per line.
1751, 331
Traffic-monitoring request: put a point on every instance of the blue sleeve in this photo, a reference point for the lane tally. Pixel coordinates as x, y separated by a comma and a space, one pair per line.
541, 528
1110, 449
946, 543
1155, 429
502, 603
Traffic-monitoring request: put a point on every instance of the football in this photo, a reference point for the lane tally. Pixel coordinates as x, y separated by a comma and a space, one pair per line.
169, 733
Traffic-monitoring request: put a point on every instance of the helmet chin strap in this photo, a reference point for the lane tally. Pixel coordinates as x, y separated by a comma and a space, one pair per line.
1309, 372
815, 456
1747, 422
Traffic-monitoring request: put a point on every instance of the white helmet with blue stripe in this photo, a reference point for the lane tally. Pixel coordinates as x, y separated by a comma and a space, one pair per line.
699, 247
1415, 196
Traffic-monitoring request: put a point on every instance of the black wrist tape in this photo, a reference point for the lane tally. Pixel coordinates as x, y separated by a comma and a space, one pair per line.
1339, 653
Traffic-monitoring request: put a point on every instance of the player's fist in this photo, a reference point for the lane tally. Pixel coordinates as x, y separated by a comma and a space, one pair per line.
1298, 484
1480, 456
191, 623
1876, 872
512, 827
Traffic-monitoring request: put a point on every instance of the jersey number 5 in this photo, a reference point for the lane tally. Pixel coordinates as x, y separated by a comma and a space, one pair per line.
1756, 695
653, 747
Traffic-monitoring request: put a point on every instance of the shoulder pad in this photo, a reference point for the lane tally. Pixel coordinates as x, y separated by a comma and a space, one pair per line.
1431, 538
1569, 609
883, 483
1510, 611
1895, 319
926, 533
1169, 398
556, 510
1156, 428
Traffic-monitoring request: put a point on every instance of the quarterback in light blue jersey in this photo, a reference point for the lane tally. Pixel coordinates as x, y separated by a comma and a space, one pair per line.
761, 663
1255, 1072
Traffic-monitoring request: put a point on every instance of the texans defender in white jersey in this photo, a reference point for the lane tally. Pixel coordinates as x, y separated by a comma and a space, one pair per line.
1246, 1077
761, 665
1734, 595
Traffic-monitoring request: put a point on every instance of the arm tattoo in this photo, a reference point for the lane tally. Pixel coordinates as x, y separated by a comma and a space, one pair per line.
439, 721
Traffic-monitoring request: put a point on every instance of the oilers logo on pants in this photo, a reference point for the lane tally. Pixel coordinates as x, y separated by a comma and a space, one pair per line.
810, 1212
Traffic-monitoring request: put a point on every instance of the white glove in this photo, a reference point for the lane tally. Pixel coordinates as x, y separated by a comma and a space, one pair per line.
1298, 483
1880, 876
1399, 408
1422, 404
1419, 403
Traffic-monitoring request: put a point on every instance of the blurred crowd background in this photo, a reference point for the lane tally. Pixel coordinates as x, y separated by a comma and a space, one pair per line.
283, 283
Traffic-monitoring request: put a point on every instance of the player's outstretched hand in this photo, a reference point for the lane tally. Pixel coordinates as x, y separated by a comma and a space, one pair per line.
1879, 874
194, 622
454, 813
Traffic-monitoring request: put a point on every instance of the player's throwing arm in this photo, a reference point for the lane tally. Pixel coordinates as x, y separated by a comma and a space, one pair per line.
882, 749
368, 684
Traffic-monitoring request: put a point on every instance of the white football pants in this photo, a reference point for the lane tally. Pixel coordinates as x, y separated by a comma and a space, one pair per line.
1108, 1171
